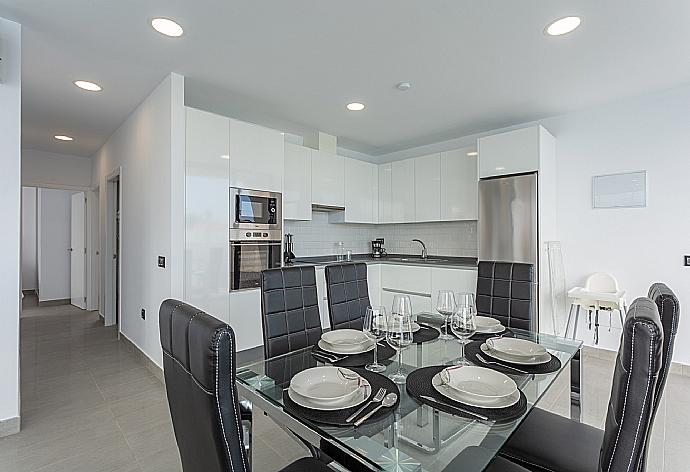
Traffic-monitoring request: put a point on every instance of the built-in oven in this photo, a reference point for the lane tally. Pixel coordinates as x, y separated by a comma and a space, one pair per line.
254, 209
250, 253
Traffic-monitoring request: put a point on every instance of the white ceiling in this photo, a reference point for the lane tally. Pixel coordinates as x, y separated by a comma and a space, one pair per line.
293, 65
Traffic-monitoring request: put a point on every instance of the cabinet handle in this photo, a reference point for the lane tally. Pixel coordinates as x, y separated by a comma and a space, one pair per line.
406, 292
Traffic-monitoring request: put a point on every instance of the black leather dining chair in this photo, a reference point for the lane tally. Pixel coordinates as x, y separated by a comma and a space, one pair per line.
348, 294
549, 442
199, 368
505, 291
289, 309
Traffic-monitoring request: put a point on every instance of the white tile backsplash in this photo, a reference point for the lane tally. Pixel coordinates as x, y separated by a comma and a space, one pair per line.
318, 237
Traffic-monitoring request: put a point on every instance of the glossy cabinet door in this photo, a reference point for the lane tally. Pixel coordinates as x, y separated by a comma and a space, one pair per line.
322, 293
256, 157
385, 193
297, 185
407, 278
245, 318
512, 152
427, 187
459, 186
374, 283
420, 304
361, 191
327, 179
206, 212
457, 280
403, 192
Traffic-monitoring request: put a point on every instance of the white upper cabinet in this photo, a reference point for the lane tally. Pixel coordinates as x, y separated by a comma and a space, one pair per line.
459, 190
256, 157
297, 186
403, 192
327, 179
385, 193
361, 192
427, 187
508, 153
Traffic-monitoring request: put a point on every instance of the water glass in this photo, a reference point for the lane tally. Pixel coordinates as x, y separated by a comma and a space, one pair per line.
463, 323
375, 322
446, 307
399, 336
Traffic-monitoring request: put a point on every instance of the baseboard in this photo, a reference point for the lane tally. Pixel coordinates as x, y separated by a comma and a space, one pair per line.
56, 302
10, 426
150, 365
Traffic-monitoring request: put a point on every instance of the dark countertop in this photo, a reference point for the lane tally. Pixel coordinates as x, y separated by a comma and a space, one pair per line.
396, 259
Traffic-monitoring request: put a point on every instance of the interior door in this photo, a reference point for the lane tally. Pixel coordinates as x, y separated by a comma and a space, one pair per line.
78, 251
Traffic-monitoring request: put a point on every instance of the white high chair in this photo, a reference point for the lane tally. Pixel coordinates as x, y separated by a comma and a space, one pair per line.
601, 292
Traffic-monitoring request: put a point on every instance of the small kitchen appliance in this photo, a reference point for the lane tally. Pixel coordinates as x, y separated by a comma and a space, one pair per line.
377, 249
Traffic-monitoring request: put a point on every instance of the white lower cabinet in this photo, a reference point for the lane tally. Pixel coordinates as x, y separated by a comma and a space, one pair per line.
458, 280
322, 293
374, 281
245, 318
420, 304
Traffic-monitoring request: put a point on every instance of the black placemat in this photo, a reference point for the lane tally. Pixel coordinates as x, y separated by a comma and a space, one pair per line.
425, 334
338, 417
385, 352
473, 348
419, 383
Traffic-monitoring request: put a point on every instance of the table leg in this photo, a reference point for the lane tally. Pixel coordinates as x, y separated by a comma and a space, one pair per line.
422, 414
576, 368
247, 427
577, 320
570, 315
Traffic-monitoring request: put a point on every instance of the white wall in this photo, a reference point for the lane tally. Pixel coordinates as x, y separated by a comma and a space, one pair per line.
145, 147
54, 217
29, 239
47, 169
10, 195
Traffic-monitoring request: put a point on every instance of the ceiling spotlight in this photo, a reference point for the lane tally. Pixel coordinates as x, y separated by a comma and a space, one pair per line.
355, 106
167, 27
404, 86
563, 26
62, 137
472, 153
88, 86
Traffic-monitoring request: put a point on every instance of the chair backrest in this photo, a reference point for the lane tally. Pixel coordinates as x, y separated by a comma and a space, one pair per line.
199, 369
348, 294
669, 312
505, 291
602, 282
635, 377
289, 309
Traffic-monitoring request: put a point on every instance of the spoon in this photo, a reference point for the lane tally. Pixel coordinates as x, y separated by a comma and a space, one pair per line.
388, 401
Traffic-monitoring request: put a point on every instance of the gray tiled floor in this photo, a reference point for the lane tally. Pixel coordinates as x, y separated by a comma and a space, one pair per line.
89, 404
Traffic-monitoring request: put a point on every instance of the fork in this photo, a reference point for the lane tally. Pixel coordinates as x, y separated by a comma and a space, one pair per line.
485, 361
377, 399
329, 357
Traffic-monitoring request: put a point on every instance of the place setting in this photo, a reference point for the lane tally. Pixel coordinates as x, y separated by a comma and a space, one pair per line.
512, 356
447, 305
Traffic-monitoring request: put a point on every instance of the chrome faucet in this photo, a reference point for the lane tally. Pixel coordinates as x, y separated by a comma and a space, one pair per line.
424, 253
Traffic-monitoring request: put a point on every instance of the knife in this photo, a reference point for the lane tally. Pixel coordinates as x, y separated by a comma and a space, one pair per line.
461, 410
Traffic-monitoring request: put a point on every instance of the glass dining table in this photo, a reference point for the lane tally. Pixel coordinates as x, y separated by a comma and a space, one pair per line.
416, 437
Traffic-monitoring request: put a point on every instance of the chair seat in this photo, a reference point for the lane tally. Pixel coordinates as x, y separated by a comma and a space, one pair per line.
501, 464
549, 442
307, 464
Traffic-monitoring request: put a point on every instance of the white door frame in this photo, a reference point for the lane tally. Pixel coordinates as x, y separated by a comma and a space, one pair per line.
78, 253
110, 317
93, 245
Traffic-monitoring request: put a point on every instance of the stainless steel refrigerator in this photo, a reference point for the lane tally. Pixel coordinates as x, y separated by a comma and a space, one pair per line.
508, 223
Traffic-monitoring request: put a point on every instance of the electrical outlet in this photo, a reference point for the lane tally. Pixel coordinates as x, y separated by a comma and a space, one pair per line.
143, 314
687, 261
161, 261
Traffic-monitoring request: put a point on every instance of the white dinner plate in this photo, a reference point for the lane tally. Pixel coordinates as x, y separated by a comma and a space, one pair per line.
486, 322
470, 400
360, 397
516, 348
543, 359
499, 328
326, 385
346, 337
346, 350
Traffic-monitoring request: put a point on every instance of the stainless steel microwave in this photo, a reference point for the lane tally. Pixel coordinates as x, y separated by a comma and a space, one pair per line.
254, 209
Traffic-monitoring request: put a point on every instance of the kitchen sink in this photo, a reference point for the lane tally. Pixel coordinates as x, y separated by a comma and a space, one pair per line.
416, 259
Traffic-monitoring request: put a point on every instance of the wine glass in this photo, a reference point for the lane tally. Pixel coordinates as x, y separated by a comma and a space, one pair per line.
464, 322
375, 320
402, 306
399, 336
446, 306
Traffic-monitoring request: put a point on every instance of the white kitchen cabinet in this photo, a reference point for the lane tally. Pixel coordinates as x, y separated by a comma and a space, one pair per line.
297, 185
361, 193
256, 157
206, 212
459, 186
245, 318
427, 187
322, 294
385, 193
327, 182
511, 152
457, 279
374, 282
407, 278
403, 192
420, 304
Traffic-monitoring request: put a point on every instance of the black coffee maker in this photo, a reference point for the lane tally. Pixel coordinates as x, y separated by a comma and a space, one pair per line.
377, 249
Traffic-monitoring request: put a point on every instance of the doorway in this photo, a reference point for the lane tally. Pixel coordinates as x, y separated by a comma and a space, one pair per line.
113, 252
77, 250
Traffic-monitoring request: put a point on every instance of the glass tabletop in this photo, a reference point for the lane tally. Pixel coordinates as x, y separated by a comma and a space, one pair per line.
417, 437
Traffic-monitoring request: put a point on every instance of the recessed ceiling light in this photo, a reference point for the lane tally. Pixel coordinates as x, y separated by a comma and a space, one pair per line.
563, 26
89, 86
355, 106
167, 27
62, 137
472, 153
404, 86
